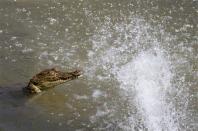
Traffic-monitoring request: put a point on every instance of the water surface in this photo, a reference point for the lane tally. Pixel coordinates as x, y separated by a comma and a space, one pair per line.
139, 60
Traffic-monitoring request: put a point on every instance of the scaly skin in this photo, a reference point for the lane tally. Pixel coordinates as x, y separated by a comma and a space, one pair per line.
49, 78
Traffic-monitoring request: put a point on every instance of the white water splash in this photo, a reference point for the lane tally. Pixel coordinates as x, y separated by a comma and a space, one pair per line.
141, 63
150, 77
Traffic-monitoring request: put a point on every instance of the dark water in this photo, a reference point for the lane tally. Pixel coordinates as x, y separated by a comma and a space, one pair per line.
140, 63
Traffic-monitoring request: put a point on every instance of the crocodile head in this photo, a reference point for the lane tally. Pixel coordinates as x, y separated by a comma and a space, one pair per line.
50, 78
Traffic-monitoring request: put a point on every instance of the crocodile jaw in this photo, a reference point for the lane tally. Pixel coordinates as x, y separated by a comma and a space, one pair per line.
31, 89
54, 83
35, 89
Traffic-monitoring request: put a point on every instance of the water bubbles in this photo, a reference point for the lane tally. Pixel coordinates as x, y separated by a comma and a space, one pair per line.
101, 113
52, 21
21, 10
50, 63
70, 106
80, 97
6, 58
60, 114
42, 45
55, 58
13, 60
52, 113
66, 29
43, 55
27, 50
19, 45
13, 38
60, 123
69, 122
97, 93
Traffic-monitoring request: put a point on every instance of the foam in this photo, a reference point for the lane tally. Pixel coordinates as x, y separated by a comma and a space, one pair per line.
150, 77
141, 64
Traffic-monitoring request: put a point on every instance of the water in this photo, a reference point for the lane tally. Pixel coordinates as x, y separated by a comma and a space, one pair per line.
151, 79
139, 61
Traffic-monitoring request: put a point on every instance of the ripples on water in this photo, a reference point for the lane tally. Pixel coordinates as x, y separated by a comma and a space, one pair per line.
139, 61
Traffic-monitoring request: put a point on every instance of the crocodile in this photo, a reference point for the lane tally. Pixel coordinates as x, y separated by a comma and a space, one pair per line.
49, 78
